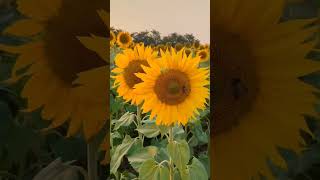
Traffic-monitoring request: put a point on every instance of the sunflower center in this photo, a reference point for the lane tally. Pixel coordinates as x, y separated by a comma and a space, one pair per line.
235, 82
129, 72
65, 53
124, 39
202, 54
172, 87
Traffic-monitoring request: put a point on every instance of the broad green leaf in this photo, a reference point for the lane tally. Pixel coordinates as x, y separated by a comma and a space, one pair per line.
178, 132
115, 104
198, 132
193, 141
176, 175
119, 152
151, 170
150, 130
162, 155
125, 120
180, 153
197, 171
164, 173
137, 157
204, 159
163, 130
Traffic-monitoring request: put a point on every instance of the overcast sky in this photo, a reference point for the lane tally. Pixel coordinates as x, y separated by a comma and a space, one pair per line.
166, 16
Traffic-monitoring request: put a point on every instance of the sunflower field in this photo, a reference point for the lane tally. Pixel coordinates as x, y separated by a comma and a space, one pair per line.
171, 82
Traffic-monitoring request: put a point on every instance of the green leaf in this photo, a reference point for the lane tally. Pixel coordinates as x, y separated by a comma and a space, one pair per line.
125, 120
178, 132
151, 170
204, 159
119, 152
150, 130
193, 141
176, 175
137, 157
197, 170
180, 153
115, 104
162, 155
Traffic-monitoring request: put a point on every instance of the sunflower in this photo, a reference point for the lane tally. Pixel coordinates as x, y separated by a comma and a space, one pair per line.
188, 45
58, 65
258, 96
178, 46
204, 54
188, 51
196, 44
127, 64
113, 38
174, 88
124, 39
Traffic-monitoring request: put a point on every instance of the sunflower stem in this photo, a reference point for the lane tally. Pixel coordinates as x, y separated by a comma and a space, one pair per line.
92, 158
139, 121
170, 159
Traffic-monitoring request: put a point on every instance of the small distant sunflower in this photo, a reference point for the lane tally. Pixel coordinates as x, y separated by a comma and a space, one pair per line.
124, 39
204, 54
196, 44
178, 46
62, 72
174, 89
113, 38
188, 51
201, 47
189, 45
259, 98
127, 64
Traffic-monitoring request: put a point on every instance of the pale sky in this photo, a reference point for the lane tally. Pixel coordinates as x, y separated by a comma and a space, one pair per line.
165, 16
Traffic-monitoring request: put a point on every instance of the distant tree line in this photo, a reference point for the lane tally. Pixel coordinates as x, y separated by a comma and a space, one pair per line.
153, 37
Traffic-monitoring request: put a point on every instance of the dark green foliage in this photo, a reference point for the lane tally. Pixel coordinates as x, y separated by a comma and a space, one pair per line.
154, 38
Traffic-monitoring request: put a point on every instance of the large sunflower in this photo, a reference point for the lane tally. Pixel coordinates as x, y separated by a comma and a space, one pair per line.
58, 64
173, 89
127, 64
258, 98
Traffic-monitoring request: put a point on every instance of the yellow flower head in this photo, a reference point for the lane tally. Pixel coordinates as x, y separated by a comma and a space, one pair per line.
62, 71
128, 63
259, 98
173, 88
204, 54
124, 39
196, 44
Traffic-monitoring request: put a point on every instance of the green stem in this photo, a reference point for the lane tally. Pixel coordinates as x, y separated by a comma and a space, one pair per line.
170, 160
92, 148
139, 120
